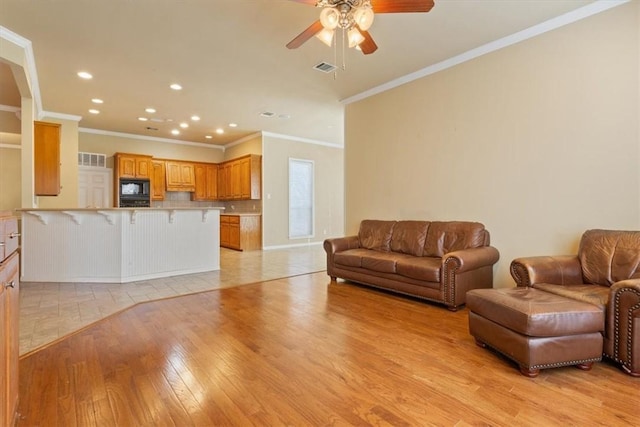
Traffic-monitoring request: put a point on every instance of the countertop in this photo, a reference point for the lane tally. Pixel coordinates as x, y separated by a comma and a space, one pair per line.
198, 208
241, 214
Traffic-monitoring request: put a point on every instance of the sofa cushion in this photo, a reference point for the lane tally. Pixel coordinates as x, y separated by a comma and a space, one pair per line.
408, 237
375, 234
382, 262
423, 268
445, 237
593, 294
608, 256
350, 257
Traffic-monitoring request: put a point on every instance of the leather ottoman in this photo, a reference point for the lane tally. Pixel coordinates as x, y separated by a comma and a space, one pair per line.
535, 328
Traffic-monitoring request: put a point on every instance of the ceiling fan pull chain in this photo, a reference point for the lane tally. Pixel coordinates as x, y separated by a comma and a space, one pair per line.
344, 66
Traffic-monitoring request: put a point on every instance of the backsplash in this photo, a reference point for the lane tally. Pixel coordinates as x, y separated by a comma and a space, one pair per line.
182, 199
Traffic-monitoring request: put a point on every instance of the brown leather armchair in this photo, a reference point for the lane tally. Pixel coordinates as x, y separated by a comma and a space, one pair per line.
605, 272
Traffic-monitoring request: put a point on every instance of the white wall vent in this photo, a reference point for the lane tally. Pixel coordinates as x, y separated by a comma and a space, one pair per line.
325, 67
92, 159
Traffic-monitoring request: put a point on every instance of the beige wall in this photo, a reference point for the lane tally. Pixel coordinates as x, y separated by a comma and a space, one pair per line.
10, 194
109, 144
68, 196
329, 191
250, 146
539, 141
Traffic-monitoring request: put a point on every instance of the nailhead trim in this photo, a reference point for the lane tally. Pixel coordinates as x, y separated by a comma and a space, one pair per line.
450, 291
546, 365
616, 334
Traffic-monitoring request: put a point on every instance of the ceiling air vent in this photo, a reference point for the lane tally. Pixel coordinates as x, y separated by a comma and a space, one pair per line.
325, 67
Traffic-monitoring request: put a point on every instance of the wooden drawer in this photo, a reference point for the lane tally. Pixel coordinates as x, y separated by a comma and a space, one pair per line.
8, 236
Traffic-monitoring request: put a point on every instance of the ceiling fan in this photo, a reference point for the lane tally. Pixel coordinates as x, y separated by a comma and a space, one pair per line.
354, 17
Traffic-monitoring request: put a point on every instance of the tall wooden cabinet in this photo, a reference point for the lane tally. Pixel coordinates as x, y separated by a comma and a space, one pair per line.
46, 158
158, 184
9, 305
239, 179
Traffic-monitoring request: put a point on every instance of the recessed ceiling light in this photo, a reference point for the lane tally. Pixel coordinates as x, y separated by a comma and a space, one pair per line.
150, 110
233, 125
208, 136
219, 131
175, 132
94, 111
284, 116
184, 125
97, 101
267, 114
195, 118
85, 75
142, 119
176, 86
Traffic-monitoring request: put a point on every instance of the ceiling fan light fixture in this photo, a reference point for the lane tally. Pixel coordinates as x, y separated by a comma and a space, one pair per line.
329, 18
355, 37
326, 36
363, 17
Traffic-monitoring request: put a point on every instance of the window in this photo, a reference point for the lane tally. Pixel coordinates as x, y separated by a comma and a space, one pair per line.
300, 198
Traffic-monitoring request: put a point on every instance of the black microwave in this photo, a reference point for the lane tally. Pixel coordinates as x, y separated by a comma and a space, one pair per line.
134, 188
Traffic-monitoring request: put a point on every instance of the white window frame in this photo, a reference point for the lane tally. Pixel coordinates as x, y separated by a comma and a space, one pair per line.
293, 210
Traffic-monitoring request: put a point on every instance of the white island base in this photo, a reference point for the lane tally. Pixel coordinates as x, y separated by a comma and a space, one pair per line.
118, 245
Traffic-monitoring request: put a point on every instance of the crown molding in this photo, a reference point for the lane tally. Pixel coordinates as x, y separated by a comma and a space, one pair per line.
552, 24
59, 116
30, 63
305, 140
148, 138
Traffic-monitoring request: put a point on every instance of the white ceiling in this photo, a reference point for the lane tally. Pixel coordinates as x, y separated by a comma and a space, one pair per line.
231, 59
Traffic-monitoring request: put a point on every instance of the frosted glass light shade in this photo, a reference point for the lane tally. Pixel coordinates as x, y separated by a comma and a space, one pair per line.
364, 17
355, 37
326, 36
329, 18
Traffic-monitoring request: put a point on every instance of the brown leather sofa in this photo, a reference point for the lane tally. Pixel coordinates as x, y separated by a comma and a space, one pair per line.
437, 261
605, 273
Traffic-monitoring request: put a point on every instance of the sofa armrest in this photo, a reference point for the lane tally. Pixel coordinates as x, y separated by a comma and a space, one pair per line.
470, 259
339, 244
561, 270
623, 318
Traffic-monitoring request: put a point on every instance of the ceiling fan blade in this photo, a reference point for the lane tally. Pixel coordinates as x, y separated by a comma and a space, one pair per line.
368, 45
401, 6
311, 31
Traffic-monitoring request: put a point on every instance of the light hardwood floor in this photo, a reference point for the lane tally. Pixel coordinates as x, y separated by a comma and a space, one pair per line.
302, 351
49, 311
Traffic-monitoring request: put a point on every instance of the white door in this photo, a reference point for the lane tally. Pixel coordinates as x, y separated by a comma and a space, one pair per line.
94, 187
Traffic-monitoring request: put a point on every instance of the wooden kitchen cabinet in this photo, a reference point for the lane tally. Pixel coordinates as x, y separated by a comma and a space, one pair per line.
158, 180
180, 176
9, 306
241, 232
206, 178
46, 158
240, 179
132, 165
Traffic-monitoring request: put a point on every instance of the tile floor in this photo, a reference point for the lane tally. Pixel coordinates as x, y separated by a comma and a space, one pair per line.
49, 311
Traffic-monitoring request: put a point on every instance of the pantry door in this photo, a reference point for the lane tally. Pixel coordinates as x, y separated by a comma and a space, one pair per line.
94, 187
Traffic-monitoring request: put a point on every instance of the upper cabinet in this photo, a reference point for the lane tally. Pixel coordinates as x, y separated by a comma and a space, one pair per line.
240, 179
157, 180
132, 166
46, 158
180, 176
206, 177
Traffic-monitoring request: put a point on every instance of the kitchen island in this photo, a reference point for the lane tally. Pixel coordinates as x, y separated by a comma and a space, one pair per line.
118, 245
